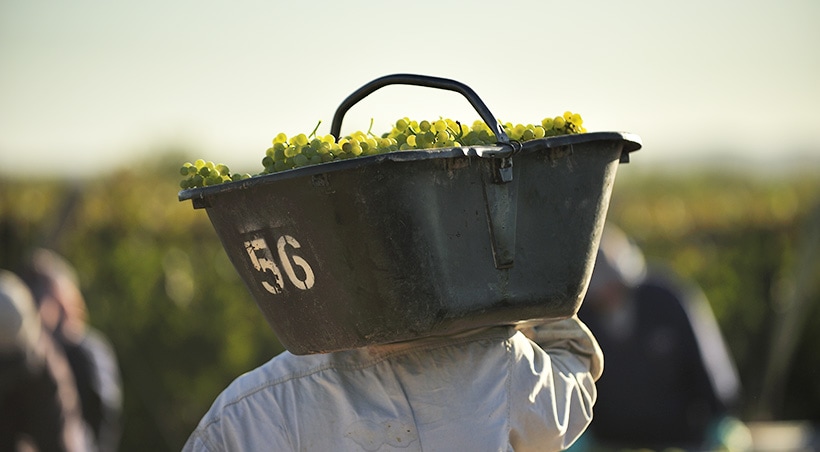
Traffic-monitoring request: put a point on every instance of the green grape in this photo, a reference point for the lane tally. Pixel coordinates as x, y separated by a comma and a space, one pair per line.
470, 138
547, 123
278, 149
308, 151
385, 143
440, 125
300, 140
365, 145
291, 151
518, 132
427, 139
300, 160
401, 138
280, 165
405, 134
421, 141
268, 161
323, 148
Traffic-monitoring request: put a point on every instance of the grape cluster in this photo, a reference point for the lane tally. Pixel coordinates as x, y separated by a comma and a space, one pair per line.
303, 150
566, 124
202, 173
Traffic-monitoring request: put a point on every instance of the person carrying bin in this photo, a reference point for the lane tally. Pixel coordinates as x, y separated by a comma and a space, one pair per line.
487, 389
412, 338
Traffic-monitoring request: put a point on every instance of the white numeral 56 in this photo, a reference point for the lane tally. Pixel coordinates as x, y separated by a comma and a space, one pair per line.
263, 261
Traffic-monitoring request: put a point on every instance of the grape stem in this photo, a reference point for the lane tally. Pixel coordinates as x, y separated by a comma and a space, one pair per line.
312, 134
458, 135
370, 128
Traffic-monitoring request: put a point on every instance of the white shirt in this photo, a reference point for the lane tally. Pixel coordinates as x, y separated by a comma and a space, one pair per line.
486, 390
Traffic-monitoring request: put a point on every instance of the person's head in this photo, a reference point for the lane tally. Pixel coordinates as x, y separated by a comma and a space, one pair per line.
19, 322
56, 290
619, 267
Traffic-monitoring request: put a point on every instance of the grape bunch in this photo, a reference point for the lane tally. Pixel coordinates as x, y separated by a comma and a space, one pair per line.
202, 173
303, 150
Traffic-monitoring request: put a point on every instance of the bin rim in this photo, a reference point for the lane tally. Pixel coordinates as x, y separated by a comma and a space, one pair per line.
631, 143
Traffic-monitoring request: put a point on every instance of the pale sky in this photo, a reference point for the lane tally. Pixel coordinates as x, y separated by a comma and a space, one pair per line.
88, 85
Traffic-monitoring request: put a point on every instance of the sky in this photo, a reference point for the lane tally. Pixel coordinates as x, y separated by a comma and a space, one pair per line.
90, 85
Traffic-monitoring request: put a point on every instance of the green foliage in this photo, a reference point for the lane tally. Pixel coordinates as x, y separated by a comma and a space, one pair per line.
158, 283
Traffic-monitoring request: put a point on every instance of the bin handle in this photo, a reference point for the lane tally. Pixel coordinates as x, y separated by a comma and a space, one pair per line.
419, 80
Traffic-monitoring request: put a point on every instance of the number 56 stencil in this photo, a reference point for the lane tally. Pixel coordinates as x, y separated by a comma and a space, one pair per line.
285, 259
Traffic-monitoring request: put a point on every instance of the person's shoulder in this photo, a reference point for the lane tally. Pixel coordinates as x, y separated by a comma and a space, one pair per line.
287, 369
278, 370
254, 387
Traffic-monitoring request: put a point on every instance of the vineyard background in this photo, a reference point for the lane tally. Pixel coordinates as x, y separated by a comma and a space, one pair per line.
158, 283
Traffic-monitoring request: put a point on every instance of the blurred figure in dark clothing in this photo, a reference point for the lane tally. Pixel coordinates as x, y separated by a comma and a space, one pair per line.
92, 358
39, 404
669, 380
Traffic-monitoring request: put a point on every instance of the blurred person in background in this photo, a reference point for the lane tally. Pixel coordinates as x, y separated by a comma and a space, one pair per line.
62, 308
669, 380
39, 404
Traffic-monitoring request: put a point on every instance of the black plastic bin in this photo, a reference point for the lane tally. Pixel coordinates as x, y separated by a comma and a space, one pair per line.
407, 244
